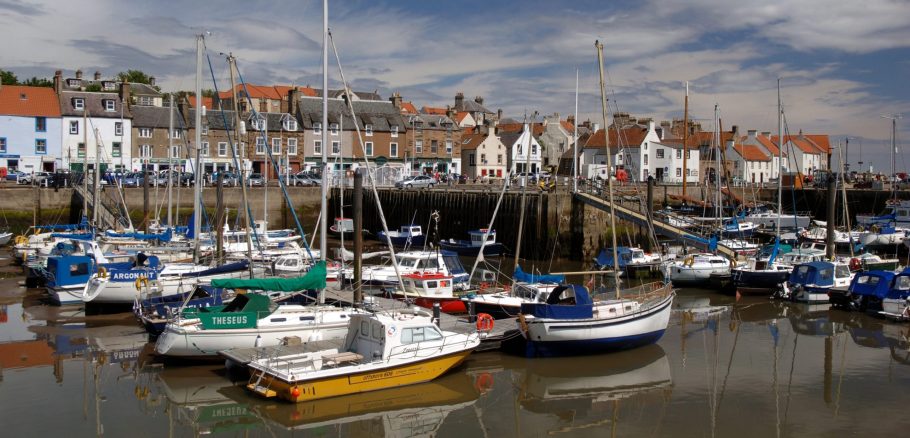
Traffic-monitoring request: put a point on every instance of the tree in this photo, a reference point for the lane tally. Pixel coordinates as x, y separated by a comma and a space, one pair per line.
136, 76
8, 77
39, 82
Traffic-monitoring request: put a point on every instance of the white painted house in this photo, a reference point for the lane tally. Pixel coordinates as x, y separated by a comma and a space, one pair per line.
770, 147
668, 165
633, 149
483, 155
751, 163
807, 153
524, 150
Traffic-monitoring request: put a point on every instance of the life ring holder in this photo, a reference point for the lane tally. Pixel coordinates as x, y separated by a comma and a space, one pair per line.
485, 322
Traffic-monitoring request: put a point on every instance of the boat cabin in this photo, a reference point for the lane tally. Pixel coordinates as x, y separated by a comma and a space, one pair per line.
820, 274
872, 283
477, 237
428, 284
409, 230
380, 336
343, 225
570, 301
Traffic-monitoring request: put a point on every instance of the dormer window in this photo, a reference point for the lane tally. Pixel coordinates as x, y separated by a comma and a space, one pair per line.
317, 128
74, 82
289, 123
258, 123
394, 130
110, 105
78, 103
108, 85
368, 129
333, 128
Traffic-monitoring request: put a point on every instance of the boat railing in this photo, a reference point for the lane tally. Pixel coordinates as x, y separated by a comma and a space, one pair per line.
646, 294
429, 348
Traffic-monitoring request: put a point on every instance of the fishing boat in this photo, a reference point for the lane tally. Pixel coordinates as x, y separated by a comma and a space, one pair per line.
343, 226
445, 262
884, 236
570, 322
67, 276
810, 282
407, 236
380, 351
896, 304
897, 212
865, 293
696, 269
429, 288
739, 229
472, 246
254, 320
633, 261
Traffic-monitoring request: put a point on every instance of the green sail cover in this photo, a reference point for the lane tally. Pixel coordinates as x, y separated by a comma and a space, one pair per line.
313, 280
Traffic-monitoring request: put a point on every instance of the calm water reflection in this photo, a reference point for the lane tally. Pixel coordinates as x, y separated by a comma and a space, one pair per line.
751, 367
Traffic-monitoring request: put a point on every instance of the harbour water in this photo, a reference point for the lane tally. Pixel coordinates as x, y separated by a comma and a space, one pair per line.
725, 367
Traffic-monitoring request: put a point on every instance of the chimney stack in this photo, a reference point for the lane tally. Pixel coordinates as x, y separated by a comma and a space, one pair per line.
97, 75
479, 100
499, 114
125, 93
78, 74
450, 113
293, 101
58, 82
459, 100
396, 100
152, 81
183, 110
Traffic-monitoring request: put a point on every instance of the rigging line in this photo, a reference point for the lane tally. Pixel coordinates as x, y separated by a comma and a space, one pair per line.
366, 160
281, 182
231, 141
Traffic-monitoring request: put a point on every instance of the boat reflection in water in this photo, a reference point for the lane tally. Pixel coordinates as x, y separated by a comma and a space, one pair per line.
408, 411
577, 389
199, 398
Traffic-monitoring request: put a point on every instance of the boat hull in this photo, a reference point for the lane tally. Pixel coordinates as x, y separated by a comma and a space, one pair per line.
563, 337
694, 276
490, 249
759, 282
364, 379
207, 343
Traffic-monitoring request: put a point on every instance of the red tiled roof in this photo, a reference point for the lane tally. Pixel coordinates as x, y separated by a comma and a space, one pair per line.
821, 141
206, 101
803, 143
769, 144
408, 108
511, 128
273, 92
20, 100
461, 115
470, 142
751, 152
570, 128
433, 110
629, 137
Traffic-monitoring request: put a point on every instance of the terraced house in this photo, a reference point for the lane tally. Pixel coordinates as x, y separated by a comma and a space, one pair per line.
30, 129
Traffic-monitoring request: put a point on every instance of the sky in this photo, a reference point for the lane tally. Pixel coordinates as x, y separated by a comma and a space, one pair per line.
842, 64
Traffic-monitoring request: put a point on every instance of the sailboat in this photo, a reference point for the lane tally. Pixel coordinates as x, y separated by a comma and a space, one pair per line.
571, 321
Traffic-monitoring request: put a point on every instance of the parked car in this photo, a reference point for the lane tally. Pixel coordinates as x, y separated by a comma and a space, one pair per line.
14, 176
37, 177
416, 181
133, 179
255, 180
230, 179
305, 180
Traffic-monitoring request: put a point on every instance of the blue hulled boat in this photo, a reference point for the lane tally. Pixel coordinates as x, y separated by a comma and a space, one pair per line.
472, 247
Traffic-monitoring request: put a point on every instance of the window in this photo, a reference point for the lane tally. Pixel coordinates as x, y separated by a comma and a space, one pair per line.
499, 159
40, 146
292, 146
118, 128
74, 127
258, 123
679, 154
175, 134
393, 149
419, 334
418, 147
205, 129
533, 149
222, 149
205, 149
395, 131
678, 172
317, 128
260, 146
146, 101
78, 103
434, 146
368, 130
483, 158
688, 154
333, 128
688, 172
80, 150
290, 124
110, 105
116, 149
145, 132
449, 147
276, 146
645, 160
336, 147
660, 153
40, 124
317, 147
145, 151
369, 148
175, 151
471, 160
2, 145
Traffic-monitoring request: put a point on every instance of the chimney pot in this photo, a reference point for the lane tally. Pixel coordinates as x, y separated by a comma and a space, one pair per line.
152, 81
97, 75
78, 74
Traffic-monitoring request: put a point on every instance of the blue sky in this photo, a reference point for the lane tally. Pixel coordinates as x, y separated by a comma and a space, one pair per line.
843, 64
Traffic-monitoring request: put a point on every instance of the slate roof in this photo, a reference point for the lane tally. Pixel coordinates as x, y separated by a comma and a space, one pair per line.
19, 100
381, 114
431, 121
155, 117
471, 106
93, 102
139, 89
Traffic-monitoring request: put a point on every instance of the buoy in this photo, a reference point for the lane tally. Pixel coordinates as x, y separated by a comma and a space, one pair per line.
295, 392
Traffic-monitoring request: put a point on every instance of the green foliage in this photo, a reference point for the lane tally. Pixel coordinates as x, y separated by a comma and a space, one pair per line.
136, 76
93, 87
8, 77
39, 82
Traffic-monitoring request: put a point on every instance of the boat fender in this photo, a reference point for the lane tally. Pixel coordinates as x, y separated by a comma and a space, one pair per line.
142, 281
522, 323
689, 261
102, 272
732, 262
485, 322
483, 383
295, 392
21, 240
855, 264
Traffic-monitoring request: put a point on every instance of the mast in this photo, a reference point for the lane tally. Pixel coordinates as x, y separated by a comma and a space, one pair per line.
575, 139
245, 211
524, 193
84, 160
197, 140
96, 192
325, 138
603, 105
780, 159
685, 140
170, 162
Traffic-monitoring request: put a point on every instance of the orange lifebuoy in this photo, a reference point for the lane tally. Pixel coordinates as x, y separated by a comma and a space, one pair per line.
485, 322
855, 264
483, 383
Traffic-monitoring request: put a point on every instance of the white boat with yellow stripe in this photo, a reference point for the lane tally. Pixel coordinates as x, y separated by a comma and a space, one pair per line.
381, 351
